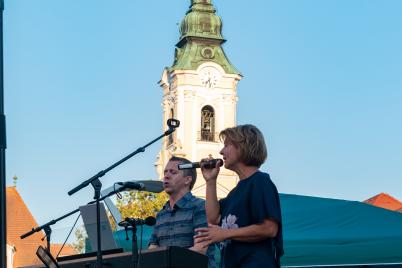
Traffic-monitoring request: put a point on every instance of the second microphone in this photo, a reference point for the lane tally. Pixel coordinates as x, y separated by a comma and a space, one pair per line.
208, 164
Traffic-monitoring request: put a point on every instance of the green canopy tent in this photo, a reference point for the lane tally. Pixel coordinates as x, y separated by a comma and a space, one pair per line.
322, 231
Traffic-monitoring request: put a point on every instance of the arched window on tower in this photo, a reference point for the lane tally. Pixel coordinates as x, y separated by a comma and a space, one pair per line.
170, 137
207, 123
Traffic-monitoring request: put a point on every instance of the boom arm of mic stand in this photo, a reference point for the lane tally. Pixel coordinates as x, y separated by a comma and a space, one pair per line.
103, 172
97, 185
39, 228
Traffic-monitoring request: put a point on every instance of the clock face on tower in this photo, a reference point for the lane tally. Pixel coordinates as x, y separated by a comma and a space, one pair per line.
209, 76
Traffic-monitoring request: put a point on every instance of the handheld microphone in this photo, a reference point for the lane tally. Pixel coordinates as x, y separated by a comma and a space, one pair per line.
208, 164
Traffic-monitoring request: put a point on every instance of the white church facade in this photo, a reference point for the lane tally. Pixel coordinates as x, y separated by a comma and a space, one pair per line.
199, 89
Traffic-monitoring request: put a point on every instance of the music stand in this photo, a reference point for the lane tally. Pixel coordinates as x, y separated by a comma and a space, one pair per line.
88, 213
47, 258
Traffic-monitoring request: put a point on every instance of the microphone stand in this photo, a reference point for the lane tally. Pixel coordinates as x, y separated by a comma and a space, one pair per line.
134, 245
97, 185
47, 229
48, 233
131, 226
3, 147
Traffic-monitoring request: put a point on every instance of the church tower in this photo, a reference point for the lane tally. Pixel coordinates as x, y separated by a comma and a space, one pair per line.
199, 89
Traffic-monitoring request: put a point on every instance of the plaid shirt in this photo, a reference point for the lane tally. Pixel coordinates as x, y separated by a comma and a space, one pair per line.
175, 227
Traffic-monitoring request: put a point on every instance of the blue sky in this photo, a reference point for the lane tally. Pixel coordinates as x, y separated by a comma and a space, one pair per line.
322, 80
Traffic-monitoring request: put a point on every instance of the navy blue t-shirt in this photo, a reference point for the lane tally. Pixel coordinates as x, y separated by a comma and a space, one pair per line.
253, 200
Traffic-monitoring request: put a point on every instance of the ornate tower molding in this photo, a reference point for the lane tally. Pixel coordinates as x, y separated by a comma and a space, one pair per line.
199, 89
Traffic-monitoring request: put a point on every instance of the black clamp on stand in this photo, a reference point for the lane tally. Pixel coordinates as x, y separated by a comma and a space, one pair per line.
131, 224
94, 180
48, 233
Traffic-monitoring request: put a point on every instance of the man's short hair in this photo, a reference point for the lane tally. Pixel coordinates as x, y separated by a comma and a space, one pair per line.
187, 172
250, 141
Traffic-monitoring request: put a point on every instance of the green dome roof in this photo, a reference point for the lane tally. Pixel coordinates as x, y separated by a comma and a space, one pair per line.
201, 39
201, 21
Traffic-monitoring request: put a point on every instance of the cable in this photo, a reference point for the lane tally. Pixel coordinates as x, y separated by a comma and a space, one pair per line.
118, 193
68, 236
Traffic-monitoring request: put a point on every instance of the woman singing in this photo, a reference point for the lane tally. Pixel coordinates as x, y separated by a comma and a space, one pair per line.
247, 224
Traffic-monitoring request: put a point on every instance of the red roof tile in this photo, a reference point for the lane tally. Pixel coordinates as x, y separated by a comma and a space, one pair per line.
20, 221
385, 201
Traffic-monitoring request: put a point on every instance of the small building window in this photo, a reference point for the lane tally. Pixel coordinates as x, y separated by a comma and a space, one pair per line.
207, 123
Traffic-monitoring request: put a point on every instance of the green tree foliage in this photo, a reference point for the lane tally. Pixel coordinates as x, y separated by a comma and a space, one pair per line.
80, 235
136, 204
133, 204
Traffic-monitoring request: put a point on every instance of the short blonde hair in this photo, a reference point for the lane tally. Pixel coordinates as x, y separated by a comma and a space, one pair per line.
250, 141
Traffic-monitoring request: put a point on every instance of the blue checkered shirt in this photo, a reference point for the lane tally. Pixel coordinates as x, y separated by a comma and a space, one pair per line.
175, 227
